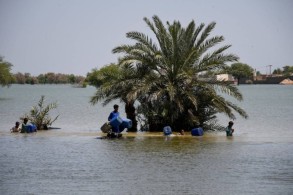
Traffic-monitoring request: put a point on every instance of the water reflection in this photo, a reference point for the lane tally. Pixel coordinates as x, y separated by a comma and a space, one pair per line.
71, 160
81, 164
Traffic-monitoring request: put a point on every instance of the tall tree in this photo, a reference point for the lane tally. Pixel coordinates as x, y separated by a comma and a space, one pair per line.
169, 78
6, 77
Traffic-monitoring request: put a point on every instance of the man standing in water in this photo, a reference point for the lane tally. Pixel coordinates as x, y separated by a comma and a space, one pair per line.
112, 115
229, 130
24, 126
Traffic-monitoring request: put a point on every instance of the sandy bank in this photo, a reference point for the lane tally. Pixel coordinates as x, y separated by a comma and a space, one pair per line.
208, 136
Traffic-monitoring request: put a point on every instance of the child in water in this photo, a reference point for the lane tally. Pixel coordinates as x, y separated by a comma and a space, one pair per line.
16, 128
229, 130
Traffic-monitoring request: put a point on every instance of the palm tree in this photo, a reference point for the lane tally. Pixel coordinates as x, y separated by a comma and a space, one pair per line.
169, 78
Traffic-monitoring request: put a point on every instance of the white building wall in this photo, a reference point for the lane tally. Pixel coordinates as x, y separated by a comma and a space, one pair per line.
225, 77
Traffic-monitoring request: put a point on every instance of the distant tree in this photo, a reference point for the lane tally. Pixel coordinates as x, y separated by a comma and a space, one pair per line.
19, 78
6, 77
50, 77
28, 78
61, 78
42, 79
80, 80
93, 78
240, 70
97, 76
277, 71
34, 80
287, 70
71, 79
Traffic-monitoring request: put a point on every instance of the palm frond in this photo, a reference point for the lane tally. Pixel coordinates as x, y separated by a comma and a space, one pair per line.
205, 34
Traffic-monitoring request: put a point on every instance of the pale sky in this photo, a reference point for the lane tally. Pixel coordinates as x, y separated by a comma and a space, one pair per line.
75, 36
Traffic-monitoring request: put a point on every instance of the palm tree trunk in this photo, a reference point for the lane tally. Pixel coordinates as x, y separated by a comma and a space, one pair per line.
130, 114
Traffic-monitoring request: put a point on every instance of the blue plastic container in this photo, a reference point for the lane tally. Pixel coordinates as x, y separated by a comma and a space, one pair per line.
116, 122
167, 130
197, 131
126, 123
31, 128
34, 128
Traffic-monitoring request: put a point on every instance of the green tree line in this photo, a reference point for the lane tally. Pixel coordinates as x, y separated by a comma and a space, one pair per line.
7, 78
47, 78
287, 71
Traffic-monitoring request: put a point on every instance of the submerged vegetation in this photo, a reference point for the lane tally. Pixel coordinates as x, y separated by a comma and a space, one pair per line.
39, 114
170, 80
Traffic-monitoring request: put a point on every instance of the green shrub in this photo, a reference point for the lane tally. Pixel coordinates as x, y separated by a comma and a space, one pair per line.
39, 114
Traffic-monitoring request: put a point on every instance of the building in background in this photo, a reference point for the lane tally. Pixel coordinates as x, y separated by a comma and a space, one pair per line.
225, 77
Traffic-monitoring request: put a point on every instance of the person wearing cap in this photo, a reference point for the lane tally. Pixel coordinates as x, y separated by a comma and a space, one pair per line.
229, 130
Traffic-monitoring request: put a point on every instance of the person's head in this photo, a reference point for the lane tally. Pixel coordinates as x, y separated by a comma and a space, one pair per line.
230, 123
116, 107
16, 123
25, 120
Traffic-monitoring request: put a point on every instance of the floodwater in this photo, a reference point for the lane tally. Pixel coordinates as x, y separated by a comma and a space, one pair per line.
257, 160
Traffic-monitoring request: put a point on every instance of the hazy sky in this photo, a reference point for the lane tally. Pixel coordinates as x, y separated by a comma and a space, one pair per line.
75, 36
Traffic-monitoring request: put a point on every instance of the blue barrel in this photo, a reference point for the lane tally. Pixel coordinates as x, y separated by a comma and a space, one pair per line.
116, 122
34, 128
126, 123
31, 128
167, 130
197, 131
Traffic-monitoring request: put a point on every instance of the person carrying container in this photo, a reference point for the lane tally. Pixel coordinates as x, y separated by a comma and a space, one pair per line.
114, 114
27, 128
